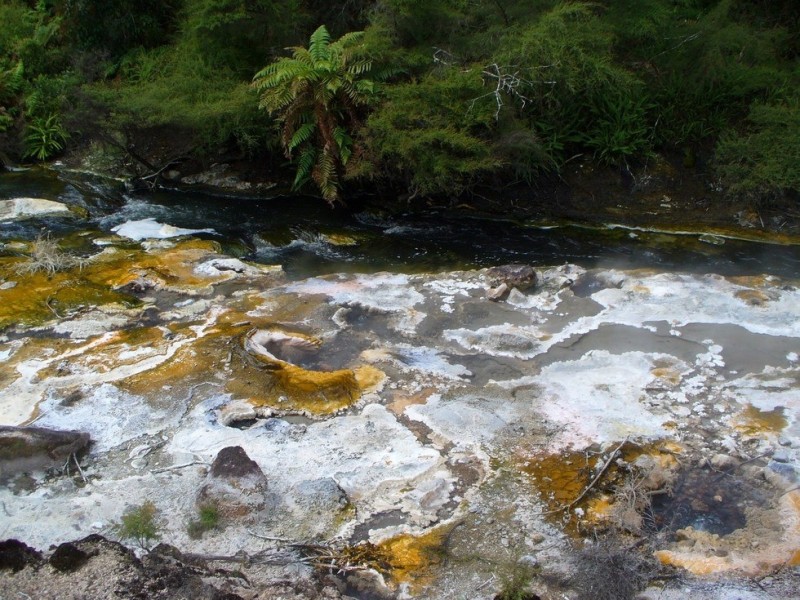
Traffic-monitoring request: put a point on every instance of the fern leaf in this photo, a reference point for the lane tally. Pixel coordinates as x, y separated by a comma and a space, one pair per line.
319, 44
302, 134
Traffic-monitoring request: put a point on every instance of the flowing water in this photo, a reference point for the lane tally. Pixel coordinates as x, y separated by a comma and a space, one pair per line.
307, 238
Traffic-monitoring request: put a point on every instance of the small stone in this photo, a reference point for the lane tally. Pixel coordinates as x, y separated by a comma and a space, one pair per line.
504, 542
537, 538
497, 293
7, 285
782, 456
720, 552
723, 461
529, 560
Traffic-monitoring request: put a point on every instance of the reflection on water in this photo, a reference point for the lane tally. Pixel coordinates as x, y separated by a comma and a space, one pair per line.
308, 238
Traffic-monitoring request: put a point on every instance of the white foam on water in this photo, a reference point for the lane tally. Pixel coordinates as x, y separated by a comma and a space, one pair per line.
149, 229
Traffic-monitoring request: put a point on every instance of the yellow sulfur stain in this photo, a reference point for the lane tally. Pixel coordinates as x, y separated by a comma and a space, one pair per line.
39, 297
754, 422
562, 478
412, 559
697, 565
667, 374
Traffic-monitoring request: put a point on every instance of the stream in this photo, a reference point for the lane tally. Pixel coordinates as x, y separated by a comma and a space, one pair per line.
404, 398
307, 238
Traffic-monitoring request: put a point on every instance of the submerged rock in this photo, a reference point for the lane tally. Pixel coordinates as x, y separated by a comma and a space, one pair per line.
32, 448
24, 208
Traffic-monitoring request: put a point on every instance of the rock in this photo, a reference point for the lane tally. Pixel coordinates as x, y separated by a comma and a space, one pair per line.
68, 558
15, 556
24, 208
99, 568
236, 485
32, 448
498, 293
782, 456
322, 502
504, 278
233, 463
724, 462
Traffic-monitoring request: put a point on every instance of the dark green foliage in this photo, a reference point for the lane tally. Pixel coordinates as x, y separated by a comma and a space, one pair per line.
436, 132
619, 127
764, 158
117, 26
474, 91
238, 35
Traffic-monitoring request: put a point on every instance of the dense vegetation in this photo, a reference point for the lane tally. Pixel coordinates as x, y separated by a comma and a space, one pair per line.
430, 96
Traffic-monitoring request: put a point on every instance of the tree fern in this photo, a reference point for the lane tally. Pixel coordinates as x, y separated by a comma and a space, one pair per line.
315, 94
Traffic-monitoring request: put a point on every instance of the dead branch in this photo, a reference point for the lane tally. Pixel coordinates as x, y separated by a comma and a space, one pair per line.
592, 483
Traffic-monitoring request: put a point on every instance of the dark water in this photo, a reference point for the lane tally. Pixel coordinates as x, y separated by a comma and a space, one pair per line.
300, 234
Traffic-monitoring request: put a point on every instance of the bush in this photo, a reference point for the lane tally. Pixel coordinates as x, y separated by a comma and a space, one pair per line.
607, 570
436, 132
763, 160
140, 523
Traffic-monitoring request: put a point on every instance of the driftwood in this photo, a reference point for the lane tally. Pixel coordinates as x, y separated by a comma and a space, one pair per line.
330, 557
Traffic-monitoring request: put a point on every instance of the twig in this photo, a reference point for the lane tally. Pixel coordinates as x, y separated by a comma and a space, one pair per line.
592, 483
77, 464
485, 583
176, 467
268, 538
53, 310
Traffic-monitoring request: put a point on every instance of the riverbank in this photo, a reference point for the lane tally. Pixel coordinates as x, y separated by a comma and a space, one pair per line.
661, 195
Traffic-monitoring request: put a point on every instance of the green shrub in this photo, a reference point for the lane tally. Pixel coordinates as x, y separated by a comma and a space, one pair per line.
208, 518
45, 137
140, 524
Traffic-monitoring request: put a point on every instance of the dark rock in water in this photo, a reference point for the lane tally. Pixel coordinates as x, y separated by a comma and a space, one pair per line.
15, 556
504, 278
31, 448
68, 558
235, 485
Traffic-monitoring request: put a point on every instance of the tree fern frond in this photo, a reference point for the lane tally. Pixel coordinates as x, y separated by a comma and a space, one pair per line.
303, 133
319, 43
305, 166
